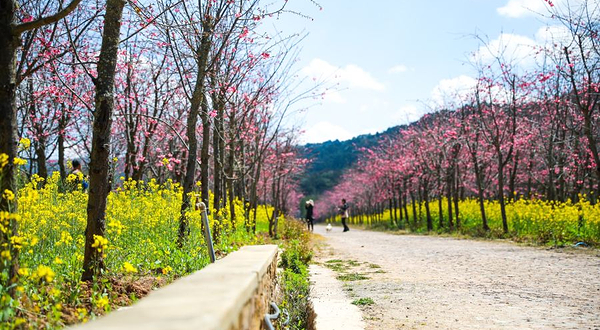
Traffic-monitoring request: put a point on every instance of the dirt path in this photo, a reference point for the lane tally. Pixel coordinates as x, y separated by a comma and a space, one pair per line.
421, 282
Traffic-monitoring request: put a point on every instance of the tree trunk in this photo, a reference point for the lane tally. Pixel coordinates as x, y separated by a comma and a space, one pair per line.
61, 143
480, 195
229, 182
414, 208
513, 178
456, 196
8, 130
440, 213
217, 166
391, 204
40, 154
10, 41
589, 133
449, 201
501, 191
93, 260
396, 211
427, 211
405, 202
205, 154
192, 121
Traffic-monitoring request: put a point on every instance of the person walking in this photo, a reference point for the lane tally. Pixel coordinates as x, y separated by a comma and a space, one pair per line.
343, 209
309, 214
79, 177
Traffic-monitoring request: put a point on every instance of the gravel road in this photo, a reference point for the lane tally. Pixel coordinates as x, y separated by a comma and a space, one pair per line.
428, 282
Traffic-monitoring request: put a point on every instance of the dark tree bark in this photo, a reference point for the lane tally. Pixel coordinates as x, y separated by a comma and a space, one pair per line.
93, 261
198, 98
501, 199
40, 155
414, 208
426, 199
62, 126
449, 199
456, 196
10, 41
40, 144
205, 153
480, 193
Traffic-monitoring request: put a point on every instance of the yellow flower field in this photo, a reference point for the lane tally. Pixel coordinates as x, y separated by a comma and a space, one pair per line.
140, 245
543, 222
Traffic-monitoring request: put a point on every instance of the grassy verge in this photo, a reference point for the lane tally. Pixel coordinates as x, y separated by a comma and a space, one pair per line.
296, 255
140, 247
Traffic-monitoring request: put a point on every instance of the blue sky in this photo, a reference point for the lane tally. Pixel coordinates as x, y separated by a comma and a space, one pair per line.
390, 60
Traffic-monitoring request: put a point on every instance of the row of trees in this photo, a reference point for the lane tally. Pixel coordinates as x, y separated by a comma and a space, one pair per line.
196, 92
515, 134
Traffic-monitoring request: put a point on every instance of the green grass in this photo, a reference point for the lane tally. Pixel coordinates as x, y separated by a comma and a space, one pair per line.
336, 265
363, 302
352, 277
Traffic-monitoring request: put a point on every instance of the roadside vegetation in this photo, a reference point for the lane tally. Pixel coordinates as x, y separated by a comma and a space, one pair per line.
140, 251
532, 221
296, 255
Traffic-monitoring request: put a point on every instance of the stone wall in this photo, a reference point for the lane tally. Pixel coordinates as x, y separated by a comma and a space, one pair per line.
232, 294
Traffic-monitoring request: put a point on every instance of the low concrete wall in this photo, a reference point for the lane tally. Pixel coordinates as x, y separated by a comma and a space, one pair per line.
231, 294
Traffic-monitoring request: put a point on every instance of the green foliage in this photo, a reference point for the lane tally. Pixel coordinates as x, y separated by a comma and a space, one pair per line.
140, 247
363, 302
331, 158
296, 255
352, 277
535, 221
336, 265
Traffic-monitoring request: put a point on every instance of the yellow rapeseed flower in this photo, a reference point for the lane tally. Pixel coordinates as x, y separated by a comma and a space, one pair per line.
167, 270
19, 161
23, 271
3, 160
44, 273
55, 293
16, 241
129, 268
8, 195
19, 321
100, 243
102, 302
24, 143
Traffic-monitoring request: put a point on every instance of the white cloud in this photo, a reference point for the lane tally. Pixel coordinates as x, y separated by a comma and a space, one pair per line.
325, 131
333, 96
512, 48
352, 75
553, 34
452, 91
398, 68
407, 114
522, 8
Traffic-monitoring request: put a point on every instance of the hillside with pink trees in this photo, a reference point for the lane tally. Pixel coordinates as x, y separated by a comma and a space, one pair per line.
517, 136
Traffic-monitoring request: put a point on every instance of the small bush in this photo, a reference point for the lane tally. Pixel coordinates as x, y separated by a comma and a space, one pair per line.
363, 302
352, 277
297, 253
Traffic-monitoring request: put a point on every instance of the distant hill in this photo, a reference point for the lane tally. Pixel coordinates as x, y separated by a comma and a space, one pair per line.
331, 158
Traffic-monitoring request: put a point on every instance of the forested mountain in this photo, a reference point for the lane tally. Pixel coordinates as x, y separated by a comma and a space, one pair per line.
329, 159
